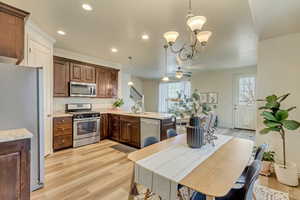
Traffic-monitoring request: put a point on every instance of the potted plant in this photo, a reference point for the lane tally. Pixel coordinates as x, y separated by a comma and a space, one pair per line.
118, 103
276, 119
267, 161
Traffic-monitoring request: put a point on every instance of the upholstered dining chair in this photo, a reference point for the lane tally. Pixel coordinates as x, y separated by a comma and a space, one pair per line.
171, 133
243, 193
258, 156
147, 142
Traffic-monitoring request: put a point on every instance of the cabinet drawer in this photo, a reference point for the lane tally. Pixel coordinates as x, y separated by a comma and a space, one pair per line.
64, 141
61, 130
130, 119
63, 121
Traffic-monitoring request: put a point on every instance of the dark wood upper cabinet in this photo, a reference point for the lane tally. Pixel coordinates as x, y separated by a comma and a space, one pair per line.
76, 72
102, 81
66, 70
15, 170
82, 73
61, 70
89, 74
12, 33
114, 83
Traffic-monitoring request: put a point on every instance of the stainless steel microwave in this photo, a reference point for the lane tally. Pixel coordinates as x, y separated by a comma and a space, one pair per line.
78, 89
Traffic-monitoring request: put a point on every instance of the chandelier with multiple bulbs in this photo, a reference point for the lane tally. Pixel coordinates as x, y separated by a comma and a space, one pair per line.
198, 38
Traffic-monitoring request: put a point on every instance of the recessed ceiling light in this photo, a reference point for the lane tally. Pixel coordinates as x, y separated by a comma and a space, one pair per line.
60, 32
145, 37
87, 7
114, 50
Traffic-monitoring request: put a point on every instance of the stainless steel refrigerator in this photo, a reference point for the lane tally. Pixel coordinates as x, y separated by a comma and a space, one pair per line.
21, 106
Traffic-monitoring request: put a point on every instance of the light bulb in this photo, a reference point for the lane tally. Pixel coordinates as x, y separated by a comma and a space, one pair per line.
165, 78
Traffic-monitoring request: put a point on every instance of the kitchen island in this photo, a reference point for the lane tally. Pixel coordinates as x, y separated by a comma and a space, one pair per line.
131, 128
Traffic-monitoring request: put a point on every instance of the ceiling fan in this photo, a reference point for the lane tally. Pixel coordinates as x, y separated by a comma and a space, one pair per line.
180, 73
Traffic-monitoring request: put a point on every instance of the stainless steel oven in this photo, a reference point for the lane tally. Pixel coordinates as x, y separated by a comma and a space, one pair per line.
78, 89
86, 124
86, 127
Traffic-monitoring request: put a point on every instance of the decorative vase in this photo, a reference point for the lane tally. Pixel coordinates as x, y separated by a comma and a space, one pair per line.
288, 175
195, 133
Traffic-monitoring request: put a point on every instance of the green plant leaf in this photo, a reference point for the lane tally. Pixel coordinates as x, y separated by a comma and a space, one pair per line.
291, 124
271, 124
283, 97
282, 115
265, 131
269, 116
272, 98
273, 104
263, 108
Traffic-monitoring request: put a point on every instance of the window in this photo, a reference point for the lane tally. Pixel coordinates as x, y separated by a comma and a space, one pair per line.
168, 92
247, 91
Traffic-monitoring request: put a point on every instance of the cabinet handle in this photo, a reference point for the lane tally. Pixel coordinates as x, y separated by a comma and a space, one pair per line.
63, 141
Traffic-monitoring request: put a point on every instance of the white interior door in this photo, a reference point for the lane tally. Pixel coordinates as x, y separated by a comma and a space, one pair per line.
245, 102
41, 56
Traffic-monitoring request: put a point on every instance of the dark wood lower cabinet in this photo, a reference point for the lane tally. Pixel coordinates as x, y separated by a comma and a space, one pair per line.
62, 133
130, 130
15, 170
114, 127
165, 125
104, 126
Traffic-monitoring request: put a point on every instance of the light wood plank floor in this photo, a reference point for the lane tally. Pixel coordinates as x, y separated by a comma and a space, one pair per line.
100, 172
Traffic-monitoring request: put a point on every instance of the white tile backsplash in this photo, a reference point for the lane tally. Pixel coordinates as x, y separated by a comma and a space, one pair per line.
59, 103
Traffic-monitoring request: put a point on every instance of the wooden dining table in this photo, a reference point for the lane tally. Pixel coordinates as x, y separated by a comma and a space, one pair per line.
213, 172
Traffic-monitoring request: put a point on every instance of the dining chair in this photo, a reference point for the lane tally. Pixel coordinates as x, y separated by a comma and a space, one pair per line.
150, 140
258, 156
171, 133
147, 142
244, 193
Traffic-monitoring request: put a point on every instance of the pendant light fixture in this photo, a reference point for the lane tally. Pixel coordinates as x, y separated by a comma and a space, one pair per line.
195, 24
166, 78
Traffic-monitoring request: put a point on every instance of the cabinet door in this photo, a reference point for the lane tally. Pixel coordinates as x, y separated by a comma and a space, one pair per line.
104, 126
77, 70
101, 81
61, 78
135, 134
114, 126
89, 74
15, 170
114, 83
125, 128
11, 36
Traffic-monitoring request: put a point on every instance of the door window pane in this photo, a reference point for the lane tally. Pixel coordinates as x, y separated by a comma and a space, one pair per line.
247, 91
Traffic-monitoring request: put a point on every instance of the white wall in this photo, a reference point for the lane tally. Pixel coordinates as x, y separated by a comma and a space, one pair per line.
59, 103
220, 81
278, 73
151, 92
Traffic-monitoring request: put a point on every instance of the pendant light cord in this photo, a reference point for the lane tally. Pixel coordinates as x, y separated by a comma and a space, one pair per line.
166, 60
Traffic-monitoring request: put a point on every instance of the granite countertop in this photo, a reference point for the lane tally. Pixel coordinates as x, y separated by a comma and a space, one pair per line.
14, 134
150, 115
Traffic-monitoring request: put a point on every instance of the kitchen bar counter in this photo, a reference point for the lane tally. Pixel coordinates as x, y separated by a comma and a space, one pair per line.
149, 115
14, 134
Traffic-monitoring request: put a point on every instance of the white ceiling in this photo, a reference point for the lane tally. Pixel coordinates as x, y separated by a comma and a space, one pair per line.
120, 24
275, 17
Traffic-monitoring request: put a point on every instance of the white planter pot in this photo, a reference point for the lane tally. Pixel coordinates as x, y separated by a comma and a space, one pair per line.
288, 175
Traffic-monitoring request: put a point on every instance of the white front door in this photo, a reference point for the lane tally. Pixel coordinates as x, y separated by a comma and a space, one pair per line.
245, 102
40, 56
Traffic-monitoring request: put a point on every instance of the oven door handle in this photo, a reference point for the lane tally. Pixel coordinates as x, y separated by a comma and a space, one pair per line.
86, 119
